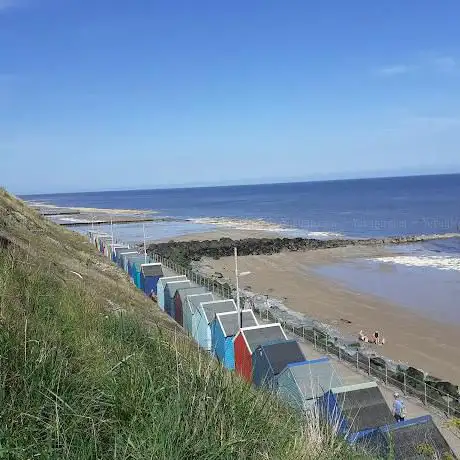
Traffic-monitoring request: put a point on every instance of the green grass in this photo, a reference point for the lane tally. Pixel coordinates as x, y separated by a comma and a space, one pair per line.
80, 379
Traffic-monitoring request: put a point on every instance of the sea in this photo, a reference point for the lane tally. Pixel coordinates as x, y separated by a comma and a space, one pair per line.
423, 276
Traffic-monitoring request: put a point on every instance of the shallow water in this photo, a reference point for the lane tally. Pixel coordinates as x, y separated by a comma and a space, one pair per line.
427, 290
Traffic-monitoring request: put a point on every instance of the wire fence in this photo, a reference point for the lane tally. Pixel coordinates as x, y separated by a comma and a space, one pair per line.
430, 393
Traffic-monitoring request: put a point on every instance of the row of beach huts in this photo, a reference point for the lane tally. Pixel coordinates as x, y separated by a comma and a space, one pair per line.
265, 356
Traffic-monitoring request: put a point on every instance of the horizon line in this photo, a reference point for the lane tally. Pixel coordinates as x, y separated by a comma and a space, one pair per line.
247, 184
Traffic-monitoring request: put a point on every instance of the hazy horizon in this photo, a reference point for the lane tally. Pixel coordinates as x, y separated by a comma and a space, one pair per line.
189, 186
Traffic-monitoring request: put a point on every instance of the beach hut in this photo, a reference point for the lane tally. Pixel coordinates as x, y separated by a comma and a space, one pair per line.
132, 259
116, 246
180, 298
94, 236
124, 258
109, 249
161, 288
189, 310
119, 252
169, 292
268, 360
150, 274
101, 241
299, 384
223, 331
355, 410
137, 270
413, 439
248, 339
206, 314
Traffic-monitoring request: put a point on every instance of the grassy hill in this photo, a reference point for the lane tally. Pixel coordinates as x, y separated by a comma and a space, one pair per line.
91, 369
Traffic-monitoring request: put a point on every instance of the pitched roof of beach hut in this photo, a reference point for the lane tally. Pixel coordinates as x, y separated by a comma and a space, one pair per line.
363, 406
166, 279
279, 354
122, 249
262, 334
186, 291
212, 308
410, 438
229, 321
313, 378
127, 252
153, 269
194, 300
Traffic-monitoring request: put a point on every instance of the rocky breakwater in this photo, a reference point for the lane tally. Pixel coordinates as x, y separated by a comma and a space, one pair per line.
185, 252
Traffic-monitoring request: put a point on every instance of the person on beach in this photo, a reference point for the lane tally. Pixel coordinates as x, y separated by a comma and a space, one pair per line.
399, 408
363, 337
376, 337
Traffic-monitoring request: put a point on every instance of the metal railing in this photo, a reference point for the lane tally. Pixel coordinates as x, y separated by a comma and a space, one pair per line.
409, 385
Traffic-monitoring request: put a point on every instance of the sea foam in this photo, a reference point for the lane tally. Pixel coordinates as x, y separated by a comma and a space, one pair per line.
438, 262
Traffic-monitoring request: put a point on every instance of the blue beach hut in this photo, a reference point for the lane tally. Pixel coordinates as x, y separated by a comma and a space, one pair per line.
170, 290
114, 251
355, 410
124, 258
268, 360
150, 274
223, 331
192, 302
137, 270
161, 288
300, 384
206, 314
132, 259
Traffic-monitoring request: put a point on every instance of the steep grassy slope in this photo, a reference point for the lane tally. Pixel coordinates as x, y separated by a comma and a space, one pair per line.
91, 369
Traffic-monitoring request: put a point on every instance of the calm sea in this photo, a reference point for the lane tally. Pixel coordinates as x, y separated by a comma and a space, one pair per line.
356, 208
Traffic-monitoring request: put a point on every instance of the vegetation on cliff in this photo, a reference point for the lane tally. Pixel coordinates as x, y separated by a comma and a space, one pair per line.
90, 368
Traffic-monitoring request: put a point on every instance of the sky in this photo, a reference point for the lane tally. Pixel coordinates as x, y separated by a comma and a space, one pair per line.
111, 94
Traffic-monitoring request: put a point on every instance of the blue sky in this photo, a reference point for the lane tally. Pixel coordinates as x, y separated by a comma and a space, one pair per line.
111, 94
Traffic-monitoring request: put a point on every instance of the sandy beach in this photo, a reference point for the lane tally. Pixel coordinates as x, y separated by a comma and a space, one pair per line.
290, 276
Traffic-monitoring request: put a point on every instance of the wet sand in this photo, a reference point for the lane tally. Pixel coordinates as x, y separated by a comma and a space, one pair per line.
290, 276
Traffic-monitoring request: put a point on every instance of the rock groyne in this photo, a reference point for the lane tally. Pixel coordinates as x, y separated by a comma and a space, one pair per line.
184, 252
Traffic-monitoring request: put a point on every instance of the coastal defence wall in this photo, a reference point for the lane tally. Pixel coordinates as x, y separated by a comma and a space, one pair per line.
431, 391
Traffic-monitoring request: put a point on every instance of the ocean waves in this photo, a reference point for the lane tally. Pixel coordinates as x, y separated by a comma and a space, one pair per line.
424, 261
260, 225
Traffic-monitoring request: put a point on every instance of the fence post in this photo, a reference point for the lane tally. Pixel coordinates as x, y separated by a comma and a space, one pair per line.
369, 363
386, 374
424, 384
448, 405
357, 360
314, 337
327, 341
303, 332
340, 358
405, 383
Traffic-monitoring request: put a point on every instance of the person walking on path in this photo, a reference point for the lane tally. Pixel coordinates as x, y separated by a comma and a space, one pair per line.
399, 408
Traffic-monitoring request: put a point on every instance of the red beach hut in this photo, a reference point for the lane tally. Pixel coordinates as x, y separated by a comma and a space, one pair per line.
248, 339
